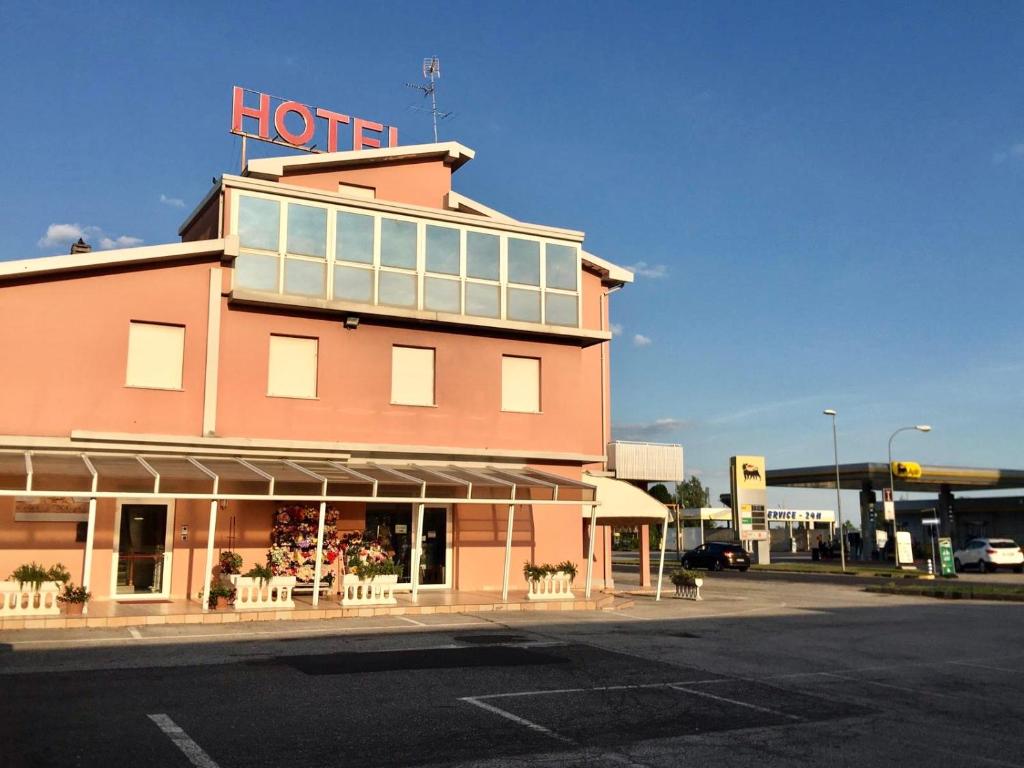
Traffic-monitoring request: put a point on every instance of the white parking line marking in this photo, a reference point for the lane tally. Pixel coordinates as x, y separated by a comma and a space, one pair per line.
516, 719
191, 750
134, 633
986, 666
556, 691
411, 621
737, 702
915, 691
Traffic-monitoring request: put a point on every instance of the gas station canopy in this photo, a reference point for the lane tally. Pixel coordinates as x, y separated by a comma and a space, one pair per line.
874, 476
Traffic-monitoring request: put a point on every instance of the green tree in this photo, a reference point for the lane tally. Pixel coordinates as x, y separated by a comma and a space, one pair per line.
660, 492
691, 493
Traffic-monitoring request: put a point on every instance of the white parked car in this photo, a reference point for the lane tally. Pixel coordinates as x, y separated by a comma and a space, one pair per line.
990, 555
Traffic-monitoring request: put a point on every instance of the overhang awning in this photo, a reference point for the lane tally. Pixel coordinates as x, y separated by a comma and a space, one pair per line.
623, 503
215, 477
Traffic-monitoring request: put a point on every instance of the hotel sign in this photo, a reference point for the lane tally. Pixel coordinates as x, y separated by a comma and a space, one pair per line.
313, 129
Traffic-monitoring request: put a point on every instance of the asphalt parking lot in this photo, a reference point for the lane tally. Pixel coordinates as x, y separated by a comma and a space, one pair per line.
758, 674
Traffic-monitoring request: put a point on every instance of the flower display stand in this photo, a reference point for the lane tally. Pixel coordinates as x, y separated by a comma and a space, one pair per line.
26, 600
380, 590
554, 586
252, 593
690, 591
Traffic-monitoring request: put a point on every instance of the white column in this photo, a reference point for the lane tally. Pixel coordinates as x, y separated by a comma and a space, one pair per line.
319, 554
90, 535
590, 548
417, 552
209, 555
508, 553
661, 565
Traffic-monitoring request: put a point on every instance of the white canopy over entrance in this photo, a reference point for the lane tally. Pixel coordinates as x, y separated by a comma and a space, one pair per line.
624, 504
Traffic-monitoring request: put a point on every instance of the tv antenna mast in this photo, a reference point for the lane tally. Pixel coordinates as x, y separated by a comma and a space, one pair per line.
431, 73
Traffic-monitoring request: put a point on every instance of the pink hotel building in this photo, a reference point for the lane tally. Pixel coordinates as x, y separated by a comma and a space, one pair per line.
341, 331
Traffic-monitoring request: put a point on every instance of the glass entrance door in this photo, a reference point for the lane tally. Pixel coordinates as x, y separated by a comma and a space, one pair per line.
141, 546
393, 525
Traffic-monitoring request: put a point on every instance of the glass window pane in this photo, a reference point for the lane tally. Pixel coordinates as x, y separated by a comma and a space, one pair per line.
482, 255
523, 261
443, 250
353, 284
258, 272
560, 309
441, 295
523, 305
482, 300
398, 243
354, 241
258, 222
305, 278
307, 230
397, 290
560, 264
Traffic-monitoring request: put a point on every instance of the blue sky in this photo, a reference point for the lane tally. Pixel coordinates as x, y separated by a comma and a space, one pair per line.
824, 200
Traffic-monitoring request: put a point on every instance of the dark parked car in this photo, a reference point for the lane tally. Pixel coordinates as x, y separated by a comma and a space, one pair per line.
715, 556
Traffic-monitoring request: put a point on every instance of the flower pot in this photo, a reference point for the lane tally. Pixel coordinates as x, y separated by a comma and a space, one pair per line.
17, 600
253, 593
74, 609
222, 603
554, 586
364, 592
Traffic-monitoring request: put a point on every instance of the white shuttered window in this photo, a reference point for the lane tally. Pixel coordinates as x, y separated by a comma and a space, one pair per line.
520, 384
412, 376
291, 368
156, 353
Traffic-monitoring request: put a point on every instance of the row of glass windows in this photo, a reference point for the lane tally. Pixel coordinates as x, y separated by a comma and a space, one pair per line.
375, 259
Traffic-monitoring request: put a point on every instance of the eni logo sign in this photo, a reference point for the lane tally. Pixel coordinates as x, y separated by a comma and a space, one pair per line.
908, 469
297, 125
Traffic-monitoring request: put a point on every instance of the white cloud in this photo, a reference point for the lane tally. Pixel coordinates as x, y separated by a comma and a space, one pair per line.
124, 241
174, 202
653, 271
616, 329
639, 340
1015, 152
62, 235
649, 429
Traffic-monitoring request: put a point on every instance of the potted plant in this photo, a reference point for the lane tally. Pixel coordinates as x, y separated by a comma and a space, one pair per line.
230, 563
73, 599
32, 590
221, 595
370, 572
549, 582
260, 588
687, 583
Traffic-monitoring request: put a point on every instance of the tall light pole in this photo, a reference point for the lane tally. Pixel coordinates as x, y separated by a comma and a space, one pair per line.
839, 500
892, 485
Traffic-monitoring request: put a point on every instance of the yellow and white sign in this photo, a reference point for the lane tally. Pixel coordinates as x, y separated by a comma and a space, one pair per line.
908, 469
749, 497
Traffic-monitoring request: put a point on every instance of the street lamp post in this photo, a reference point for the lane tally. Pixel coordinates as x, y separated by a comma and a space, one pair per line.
839, 500
892, 486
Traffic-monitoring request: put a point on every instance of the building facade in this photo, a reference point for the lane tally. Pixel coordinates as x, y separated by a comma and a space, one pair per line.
338, 333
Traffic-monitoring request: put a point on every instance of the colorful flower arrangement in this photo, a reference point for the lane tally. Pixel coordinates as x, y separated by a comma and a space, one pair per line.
293, 543
366, 557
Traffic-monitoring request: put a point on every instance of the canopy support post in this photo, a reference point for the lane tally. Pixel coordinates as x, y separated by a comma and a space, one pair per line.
417, 550
661, 564
209, 555
318, 568
590, 548
90, 535
508, 553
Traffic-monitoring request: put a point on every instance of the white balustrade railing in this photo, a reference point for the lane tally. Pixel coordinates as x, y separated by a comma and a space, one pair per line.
554, 586
252, 593
26, 600
380, 590
690, 591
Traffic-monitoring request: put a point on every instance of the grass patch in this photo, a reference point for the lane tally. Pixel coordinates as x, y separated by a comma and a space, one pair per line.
951, 590
831, 568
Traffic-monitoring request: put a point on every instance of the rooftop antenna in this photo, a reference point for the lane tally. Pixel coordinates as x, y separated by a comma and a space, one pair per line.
431, 73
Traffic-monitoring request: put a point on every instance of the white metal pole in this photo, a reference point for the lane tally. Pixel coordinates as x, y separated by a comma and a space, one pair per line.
209, 555
590, 548
661, 565
414, 559
319, 554
839, 496
508, 553
90, 535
